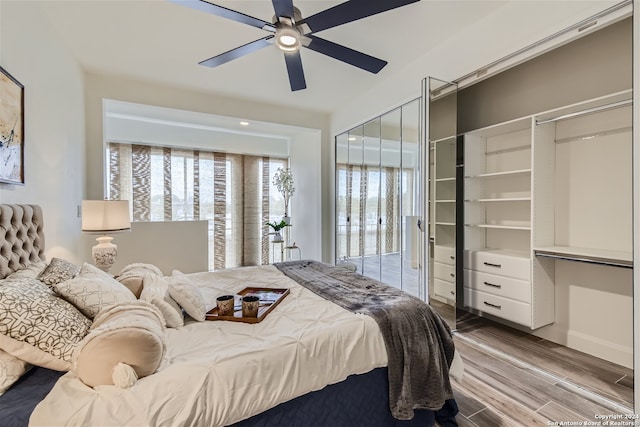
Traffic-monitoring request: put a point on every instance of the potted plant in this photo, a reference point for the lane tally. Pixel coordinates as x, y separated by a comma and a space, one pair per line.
283, 180
277, 226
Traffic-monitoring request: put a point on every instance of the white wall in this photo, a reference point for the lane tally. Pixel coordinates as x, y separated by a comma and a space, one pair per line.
54, 125
636, 199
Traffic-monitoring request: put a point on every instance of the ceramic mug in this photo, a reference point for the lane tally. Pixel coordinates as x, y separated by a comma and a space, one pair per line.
225, 305
250, 305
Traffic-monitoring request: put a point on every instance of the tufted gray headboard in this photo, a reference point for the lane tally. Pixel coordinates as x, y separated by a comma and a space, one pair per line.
21, 237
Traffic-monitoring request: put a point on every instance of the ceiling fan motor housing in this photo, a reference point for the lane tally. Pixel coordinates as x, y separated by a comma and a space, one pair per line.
287, 34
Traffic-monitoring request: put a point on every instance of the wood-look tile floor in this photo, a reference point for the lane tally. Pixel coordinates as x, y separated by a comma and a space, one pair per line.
515, 379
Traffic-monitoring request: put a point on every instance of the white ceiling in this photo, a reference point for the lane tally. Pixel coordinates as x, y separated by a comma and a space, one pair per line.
159, 41
162, 42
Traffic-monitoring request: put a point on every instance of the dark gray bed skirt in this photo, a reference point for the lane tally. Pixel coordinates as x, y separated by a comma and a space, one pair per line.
358, 401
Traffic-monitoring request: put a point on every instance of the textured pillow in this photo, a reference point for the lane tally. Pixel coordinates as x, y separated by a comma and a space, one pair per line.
132, 276
58, 271
38, 327
30, 272
156, 292
92, 290
187, 295
128, 333
133, 283
11, 369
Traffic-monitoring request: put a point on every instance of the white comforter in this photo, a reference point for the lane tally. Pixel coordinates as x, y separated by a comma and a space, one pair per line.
216, 373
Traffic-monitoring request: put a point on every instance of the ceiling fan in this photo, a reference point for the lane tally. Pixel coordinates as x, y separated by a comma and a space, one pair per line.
290, 31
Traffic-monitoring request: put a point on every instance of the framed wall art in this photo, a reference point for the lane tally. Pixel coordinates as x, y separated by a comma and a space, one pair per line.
11, 129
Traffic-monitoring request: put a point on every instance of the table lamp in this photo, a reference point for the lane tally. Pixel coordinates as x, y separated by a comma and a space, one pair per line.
105, 217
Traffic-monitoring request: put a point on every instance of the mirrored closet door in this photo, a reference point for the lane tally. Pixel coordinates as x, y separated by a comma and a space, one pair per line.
378, 199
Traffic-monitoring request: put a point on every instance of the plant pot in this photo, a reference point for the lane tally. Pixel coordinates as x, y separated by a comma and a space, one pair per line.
277, 237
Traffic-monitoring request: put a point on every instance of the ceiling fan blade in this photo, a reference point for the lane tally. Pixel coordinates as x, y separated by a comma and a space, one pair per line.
237, 52
345, 54
223, 12
283, 8
294, 68
349, 11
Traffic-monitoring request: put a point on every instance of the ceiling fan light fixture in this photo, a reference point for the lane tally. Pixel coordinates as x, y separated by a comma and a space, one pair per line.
288, 38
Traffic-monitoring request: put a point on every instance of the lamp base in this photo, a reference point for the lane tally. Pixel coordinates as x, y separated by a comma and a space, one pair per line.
104, 253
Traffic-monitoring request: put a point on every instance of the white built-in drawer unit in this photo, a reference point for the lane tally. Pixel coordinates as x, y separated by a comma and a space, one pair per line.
444, 255
513, 264
444, 289
444, 271
505, 308
502, 286
498, 282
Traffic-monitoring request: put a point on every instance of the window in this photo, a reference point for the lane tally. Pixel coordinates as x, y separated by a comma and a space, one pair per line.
234, 192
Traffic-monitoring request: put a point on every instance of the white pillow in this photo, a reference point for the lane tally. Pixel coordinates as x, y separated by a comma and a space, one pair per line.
38, 327
156, 292
11, 369
187, 295
92, 290
126, 342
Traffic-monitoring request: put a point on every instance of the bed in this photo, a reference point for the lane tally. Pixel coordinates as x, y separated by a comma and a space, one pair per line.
310, 362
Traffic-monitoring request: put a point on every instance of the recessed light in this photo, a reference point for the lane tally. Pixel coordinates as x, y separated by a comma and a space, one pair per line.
352, 138
243, 123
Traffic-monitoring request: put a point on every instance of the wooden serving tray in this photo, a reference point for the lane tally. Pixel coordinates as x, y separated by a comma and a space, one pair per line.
269, 298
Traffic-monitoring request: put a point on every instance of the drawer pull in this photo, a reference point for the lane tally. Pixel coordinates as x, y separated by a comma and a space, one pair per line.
452, 293
452, 275
493, 285
499, 307
452, 257
489, 264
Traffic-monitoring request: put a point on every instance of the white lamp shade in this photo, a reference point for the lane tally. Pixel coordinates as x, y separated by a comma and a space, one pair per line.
105, 216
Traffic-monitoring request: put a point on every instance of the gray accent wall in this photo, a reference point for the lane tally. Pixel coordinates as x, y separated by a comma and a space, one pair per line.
593, 66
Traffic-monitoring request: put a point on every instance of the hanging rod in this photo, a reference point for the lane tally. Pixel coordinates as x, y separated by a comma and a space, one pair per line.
587, 111
622, 264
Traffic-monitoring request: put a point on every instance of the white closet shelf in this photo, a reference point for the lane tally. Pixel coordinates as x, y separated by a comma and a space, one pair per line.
590, 255
504, 173
502, 199
445, 201
501, 226
445, 223
445, 179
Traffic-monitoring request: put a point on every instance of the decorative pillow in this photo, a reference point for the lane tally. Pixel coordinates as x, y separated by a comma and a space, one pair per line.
58, 271
156, 292
92, 290
38, 327
30, 272
126, 342
133, 283
187, 295
133, 274
11, 369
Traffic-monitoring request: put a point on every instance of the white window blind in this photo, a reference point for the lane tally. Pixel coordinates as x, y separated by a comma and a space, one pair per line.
234, 192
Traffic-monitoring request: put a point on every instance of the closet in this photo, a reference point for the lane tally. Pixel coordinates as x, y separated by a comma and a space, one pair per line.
544, 225
555, 186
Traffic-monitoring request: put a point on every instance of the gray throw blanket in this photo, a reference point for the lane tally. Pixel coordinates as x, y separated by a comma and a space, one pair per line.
419, 343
